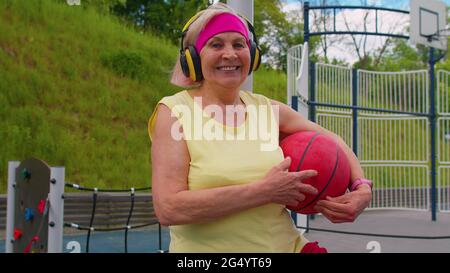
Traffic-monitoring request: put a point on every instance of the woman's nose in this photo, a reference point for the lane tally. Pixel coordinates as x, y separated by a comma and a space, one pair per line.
229, 52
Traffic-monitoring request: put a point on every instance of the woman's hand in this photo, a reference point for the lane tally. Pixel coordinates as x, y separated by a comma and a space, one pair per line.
347, 207
286, 188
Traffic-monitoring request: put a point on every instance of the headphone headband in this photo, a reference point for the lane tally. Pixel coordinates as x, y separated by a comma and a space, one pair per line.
185, 29
188, 23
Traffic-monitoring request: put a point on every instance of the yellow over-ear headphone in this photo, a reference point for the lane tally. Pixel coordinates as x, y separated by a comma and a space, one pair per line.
190, 59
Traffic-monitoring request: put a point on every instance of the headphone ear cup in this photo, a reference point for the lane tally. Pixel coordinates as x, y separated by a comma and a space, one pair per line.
252, 56
258, 54
196, 63
184, 64
193, 64
255, 57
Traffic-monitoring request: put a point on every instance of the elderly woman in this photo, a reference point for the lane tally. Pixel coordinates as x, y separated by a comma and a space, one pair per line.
219, 178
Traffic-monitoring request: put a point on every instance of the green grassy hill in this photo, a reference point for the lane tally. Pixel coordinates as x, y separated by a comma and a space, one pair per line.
77, 88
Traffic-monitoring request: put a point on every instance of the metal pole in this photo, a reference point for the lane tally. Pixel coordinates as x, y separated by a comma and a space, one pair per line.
306, 22
312, 112
12, 166
433, 135
294, 102
294, 105
244, 8
290, 78
160, 238
355, 111
56, 210
312, 91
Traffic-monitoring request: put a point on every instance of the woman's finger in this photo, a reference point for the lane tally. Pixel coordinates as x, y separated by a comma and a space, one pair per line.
309, 189
334, 206
334, 217
284, 165
306, 174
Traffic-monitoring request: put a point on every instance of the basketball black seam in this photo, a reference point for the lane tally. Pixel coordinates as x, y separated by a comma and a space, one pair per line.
306, 150
329, 180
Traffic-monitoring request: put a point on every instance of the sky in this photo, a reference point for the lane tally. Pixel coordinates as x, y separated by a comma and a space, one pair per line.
397, 4
344, 49
387, 22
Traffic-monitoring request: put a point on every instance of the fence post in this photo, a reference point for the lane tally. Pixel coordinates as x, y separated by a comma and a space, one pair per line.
306, 21
354, 110
432, 117
312, 91
56, 210
12, 166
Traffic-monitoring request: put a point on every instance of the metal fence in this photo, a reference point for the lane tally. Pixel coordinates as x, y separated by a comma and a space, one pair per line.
393, 142
112, 209
443, 128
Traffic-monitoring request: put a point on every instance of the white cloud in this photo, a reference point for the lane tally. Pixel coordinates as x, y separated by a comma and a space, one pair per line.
291, 7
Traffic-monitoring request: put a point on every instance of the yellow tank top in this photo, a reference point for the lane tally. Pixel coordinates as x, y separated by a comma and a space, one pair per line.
240, 156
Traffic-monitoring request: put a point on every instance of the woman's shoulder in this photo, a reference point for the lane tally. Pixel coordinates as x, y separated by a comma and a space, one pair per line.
255, 97
173, 102
175, 99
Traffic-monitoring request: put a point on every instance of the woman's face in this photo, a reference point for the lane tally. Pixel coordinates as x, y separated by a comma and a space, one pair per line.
225, 60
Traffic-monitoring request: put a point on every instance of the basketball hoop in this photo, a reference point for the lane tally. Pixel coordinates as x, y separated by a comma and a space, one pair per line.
429, 23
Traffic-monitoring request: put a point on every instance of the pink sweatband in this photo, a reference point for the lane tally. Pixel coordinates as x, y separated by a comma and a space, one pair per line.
224, 22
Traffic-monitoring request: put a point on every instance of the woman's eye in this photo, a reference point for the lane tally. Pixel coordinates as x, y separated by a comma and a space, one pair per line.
216, 45
239, 45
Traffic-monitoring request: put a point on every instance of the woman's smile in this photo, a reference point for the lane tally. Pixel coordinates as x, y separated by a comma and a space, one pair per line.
228, 68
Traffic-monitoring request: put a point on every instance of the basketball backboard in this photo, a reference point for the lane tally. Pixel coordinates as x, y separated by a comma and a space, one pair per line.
428, 23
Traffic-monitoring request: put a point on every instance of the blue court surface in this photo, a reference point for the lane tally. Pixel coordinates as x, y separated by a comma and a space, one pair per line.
139, 241
375, 231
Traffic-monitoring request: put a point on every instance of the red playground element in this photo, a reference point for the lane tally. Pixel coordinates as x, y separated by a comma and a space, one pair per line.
17, 234
28, 247
41, 206
313, 247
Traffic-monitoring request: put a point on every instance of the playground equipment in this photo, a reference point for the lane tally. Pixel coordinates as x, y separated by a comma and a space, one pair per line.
35, 209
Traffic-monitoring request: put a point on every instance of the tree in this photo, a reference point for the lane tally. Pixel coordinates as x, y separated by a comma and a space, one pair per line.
161, 17
370, 59
102, 6
277, 31
320, 20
